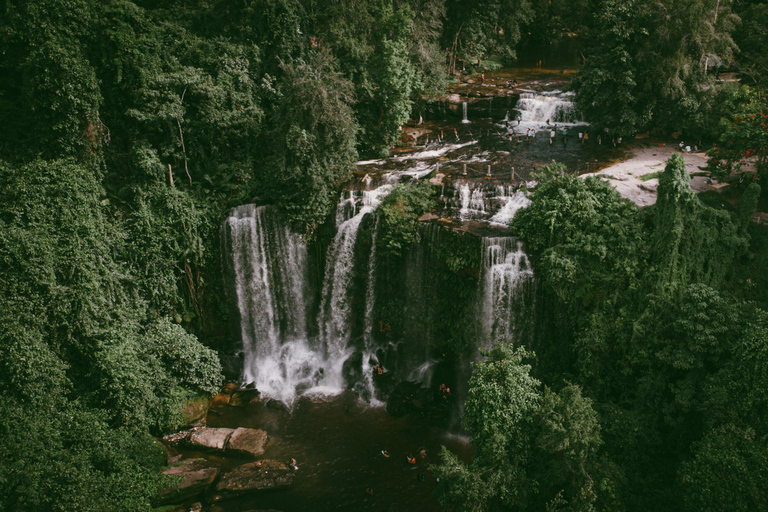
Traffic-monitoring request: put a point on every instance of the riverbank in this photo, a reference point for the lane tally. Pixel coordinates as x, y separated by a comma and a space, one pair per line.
636, 177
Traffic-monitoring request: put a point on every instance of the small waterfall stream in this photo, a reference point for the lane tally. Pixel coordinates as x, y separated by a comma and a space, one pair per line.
541, 108
506, 271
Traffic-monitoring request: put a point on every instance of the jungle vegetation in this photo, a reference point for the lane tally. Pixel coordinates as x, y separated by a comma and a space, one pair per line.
129, 128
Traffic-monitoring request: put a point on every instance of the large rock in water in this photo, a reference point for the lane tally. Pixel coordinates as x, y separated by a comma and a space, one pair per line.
256, 476
243, 397
247, 441
197, 475
210, 438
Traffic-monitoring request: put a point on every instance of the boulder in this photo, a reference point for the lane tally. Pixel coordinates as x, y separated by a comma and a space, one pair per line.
219, 403
177, 438
277, 405
197, 475
247, 441
244, 397
229, 388
210, 438
427, 217
256, 476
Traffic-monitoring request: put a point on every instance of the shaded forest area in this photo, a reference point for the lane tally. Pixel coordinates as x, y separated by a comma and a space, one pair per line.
128, 130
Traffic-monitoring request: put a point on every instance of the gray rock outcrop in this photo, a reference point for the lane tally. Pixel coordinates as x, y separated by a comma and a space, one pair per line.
210, 438
247, 441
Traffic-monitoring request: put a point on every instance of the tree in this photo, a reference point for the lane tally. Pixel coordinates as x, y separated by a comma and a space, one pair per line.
531, 447
691, 243
399, 213
479, 29
584, 236
727, 472
312, 140
744, 137
607, 84
498, 413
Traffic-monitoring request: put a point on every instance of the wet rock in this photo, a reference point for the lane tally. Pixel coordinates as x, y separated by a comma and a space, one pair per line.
244, 397
256, 476
210, 438
219, 403
277, 405
427, 217
177, 438
197, 475
247, 441
229, 388
352, 369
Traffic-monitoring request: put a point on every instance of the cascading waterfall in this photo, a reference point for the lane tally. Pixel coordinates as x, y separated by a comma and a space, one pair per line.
288, 351
464, 110
505, 272
511, 204
472, 201
269, 264
537, 109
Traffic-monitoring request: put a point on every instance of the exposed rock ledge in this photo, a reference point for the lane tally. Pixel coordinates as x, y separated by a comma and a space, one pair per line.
197, 475
241, 441
256, 476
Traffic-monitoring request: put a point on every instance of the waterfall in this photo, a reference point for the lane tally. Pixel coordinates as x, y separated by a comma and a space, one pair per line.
269, 266
537, 109
505, 272
336, 303
464, 109
472, 201
512, 203
370, 300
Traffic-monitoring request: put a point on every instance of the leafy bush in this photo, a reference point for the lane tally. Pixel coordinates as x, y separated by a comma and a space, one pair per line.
399, 213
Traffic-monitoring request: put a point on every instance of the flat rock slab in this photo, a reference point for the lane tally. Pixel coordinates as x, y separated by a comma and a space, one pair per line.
256, 476
247, 441
197, 474
210, 438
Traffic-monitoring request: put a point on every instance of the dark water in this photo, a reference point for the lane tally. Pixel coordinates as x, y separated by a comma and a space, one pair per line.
337, 443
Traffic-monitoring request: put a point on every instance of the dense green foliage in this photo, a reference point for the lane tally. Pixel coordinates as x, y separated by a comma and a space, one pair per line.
641, 319
744, 138
87, 372
131, 127
533, 446
399, 213
653, 65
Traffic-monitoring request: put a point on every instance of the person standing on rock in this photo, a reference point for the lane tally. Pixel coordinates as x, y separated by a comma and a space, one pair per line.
551, 136
565, 136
